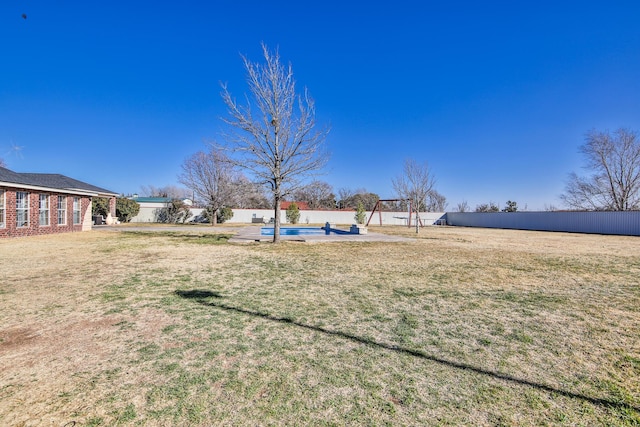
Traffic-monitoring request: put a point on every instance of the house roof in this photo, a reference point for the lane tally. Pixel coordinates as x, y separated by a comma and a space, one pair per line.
51, 181
152, 199
303, 206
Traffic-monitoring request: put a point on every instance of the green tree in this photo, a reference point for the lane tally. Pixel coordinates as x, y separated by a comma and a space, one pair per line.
349, 199
126, 209
360, 214
100, 206
224, 214
487, 207
511, 206
293, 213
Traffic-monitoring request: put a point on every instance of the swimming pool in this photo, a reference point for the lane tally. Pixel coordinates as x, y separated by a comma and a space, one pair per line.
294, 231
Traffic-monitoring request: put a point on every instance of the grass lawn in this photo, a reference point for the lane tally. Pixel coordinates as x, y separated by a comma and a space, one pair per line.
457, 327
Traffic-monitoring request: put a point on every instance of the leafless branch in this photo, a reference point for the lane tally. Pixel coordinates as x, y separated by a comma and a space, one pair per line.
273, 136
417, 183
614, 160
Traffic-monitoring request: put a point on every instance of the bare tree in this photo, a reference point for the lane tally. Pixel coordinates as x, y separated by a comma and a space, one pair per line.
170, 191
462, 206
274, 138
343, 195
614, 184
317, 194
247, 194
436, 202
2, 163
210, 176
416, 182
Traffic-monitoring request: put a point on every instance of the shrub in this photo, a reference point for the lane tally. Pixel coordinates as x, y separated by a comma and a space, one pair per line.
100, 206
126, 209
360, 214
176, 211
224, 214
293, 213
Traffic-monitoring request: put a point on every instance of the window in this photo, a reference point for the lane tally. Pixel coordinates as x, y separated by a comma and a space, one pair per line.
22, 209
62, 210
44, 209
2, 209
76, 210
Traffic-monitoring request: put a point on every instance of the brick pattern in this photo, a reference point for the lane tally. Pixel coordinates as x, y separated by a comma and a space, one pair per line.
11, 229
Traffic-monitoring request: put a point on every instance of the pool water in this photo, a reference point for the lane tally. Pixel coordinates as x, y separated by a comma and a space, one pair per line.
294, 231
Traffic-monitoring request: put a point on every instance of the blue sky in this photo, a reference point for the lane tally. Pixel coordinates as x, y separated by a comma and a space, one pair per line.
496, 96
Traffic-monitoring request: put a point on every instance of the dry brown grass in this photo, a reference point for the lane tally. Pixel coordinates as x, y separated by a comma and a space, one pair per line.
460, 326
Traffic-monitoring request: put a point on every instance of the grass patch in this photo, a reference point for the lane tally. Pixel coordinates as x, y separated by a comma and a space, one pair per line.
489, 327
188, 237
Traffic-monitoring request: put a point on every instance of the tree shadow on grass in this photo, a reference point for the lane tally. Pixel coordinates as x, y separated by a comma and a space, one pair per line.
197, 294
200, 296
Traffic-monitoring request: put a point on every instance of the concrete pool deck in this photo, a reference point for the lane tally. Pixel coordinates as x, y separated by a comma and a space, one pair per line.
252, 235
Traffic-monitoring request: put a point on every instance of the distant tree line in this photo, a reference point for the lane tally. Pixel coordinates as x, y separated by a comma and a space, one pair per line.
510, 206
612, 183
273, 138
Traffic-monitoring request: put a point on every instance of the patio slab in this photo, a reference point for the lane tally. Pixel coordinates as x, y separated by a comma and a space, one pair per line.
252, 235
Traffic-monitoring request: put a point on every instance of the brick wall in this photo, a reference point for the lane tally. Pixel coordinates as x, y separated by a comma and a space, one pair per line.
34, 228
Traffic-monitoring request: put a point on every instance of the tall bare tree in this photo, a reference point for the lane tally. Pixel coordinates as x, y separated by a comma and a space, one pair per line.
317, 194
210, 176
273, 136
416, 182
2, 163
614, 160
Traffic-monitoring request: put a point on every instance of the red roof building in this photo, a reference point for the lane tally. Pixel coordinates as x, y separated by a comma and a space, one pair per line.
303, 206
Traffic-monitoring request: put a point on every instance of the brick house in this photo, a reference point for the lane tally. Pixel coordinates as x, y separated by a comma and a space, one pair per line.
39, 203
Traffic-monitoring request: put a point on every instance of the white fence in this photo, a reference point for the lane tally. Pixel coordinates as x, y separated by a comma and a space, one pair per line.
336, 217
149, 213
623, 223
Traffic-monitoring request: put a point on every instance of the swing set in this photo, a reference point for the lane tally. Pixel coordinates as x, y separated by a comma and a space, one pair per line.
380, 203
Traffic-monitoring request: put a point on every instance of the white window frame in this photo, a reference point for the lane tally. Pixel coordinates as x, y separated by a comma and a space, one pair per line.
62, 210
22, 209
3, 208
77, 212
44, 211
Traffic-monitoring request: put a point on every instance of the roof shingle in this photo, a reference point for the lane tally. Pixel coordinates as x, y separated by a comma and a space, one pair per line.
49, 180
